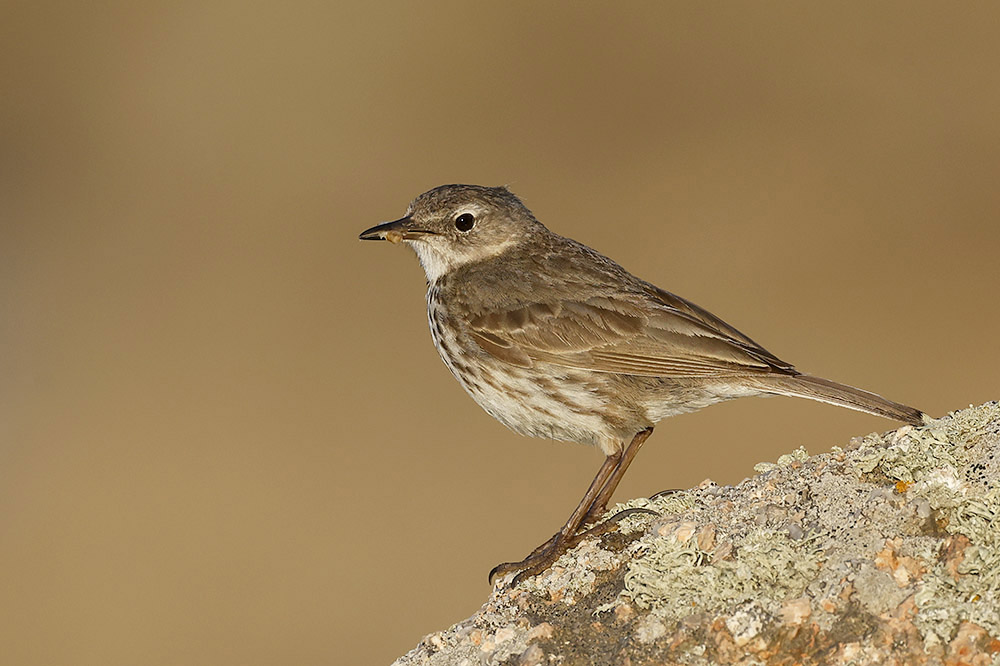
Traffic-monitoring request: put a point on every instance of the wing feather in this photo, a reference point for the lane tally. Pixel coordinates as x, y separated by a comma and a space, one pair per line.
663, 337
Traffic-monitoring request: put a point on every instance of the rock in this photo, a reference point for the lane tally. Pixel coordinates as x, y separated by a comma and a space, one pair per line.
884, 552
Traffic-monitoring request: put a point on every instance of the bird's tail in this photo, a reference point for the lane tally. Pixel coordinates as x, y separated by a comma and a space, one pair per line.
824, 390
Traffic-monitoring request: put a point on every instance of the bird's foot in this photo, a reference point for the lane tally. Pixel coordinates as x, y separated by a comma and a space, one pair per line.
542, 557
538, 561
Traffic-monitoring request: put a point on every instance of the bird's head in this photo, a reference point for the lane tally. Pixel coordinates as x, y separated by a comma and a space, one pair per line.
454, 225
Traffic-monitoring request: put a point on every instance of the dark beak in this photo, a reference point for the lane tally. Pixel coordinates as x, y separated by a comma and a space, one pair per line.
379, 232
394, 232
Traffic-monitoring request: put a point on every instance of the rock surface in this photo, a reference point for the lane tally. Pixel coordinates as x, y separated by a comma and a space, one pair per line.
884, 552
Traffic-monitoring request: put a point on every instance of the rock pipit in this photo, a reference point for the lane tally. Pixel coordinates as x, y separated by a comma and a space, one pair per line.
556, 340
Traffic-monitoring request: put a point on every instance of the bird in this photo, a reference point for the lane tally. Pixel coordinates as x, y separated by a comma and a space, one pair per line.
555, 340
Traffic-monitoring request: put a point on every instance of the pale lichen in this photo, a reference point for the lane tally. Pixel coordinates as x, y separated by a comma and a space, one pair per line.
967, 587
961, 486
798, 455
884, 551
674, 579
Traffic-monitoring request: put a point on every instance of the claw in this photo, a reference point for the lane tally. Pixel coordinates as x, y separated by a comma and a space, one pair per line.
624, 513
664, 493
537, 561
495, 570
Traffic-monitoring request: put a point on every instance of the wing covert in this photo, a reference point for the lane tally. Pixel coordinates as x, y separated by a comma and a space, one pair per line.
615, 335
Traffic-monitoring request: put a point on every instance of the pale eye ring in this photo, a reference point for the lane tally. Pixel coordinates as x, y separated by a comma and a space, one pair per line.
465, 222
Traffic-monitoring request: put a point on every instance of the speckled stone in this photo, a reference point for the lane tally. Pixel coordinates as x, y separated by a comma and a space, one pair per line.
884, 552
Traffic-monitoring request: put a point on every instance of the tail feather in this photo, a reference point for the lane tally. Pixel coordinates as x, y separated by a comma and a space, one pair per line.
824, 390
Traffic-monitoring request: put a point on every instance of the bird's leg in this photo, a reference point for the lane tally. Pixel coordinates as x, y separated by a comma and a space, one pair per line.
548, 552
591, 507
600, 504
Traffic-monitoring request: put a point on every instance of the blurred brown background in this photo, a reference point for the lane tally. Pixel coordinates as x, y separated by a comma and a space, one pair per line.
225, 436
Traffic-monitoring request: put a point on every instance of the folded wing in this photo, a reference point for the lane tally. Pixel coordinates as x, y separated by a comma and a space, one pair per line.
665, 336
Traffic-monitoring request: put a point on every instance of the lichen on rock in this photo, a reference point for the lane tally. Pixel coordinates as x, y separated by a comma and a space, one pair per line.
885, 551
675, 578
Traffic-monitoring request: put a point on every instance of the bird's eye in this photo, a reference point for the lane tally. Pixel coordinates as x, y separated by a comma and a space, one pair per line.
465, 222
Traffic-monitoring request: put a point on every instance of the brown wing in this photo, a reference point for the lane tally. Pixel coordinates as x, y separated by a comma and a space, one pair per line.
664, 338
